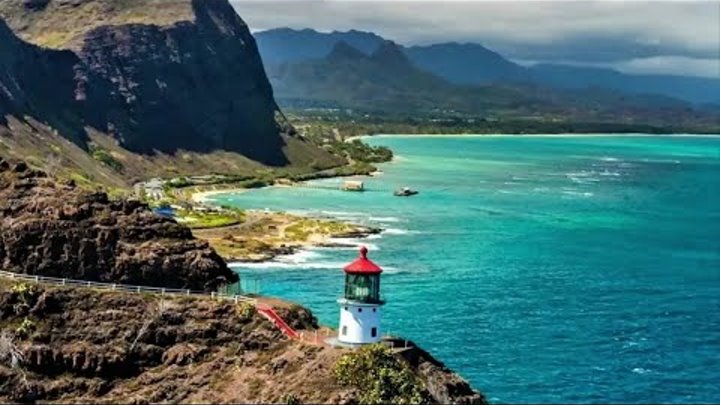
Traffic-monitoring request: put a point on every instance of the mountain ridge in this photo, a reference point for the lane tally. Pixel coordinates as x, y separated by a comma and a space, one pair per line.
344, 51
288, 45
487, 66
386, 83
392, 55
475, 64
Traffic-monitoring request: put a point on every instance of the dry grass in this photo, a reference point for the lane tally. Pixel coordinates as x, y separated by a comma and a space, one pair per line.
61, 25
233, 370
41, 147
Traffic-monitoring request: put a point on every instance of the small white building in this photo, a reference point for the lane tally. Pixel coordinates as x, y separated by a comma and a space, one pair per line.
153, 189
360, 306
353, 185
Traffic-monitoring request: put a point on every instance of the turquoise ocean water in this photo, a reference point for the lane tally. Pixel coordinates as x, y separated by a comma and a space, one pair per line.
543, 269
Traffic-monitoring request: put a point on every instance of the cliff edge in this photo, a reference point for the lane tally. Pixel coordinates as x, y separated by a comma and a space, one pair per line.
159, 77
57, 230
82, 345
74, 345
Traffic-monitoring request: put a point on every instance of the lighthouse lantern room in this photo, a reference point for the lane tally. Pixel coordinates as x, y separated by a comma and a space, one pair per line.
360, 305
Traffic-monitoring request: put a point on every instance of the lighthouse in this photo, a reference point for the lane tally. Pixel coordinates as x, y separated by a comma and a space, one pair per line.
360, 305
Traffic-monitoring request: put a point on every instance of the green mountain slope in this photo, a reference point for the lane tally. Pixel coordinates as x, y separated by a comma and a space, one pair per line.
388, 83
474, 64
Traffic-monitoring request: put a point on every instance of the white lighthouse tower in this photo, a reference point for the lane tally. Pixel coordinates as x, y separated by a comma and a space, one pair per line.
360, 305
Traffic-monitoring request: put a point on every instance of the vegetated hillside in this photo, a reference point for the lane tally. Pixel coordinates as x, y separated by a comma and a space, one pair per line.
474, 64
189, 80
387, 82
57, 230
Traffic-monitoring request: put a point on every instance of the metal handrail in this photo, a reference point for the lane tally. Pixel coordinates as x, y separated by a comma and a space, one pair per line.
125, 287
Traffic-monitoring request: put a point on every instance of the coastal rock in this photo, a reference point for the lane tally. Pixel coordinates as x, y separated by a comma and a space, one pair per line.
91, 346
111, 347
445, 386
183, 354
60, 231
299, 318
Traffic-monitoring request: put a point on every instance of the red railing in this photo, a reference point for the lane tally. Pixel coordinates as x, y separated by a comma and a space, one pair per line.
273, 317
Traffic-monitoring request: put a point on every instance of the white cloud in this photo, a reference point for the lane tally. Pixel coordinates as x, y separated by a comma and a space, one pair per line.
667, 65
675, 65
600, 30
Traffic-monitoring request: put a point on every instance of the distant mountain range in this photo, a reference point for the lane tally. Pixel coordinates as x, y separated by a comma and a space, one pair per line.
474, 64
395, 82
388, 83
283, 45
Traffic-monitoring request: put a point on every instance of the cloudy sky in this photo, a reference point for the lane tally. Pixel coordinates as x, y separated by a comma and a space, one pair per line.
681, 37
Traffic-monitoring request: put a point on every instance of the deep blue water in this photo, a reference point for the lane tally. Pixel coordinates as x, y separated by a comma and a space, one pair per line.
543, 269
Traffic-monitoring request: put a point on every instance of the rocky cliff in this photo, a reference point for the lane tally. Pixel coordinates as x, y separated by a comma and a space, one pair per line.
36, 82
57, 230
159, 77
69, 345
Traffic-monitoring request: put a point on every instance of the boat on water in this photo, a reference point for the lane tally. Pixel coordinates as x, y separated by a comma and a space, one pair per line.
405, 192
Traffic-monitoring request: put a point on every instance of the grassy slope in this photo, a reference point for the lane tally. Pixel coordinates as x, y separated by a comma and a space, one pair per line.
41, 147
61, 25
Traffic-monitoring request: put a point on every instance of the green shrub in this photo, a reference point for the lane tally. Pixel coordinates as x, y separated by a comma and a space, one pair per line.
104, 157
379, 377
246, 311
290, 399
26, 295
25, 328
179, 182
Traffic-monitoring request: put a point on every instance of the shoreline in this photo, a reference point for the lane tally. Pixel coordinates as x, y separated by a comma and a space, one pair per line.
318, 240
558, 135
203, 197
287, 251
267, 235
281, 247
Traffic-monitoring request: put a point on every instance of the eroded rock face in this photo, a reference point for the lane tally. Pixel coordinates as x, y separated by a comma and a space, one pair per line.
197, 84
60, 231
92, 345
35, 4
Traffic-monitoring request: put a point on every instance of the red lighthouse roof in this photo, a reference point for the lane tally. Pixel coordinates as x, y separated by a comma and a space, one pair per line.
363, 265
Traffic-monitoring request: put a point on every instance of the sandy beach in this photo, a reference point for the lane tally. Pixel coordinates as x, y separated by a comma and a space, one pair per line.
203, 197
